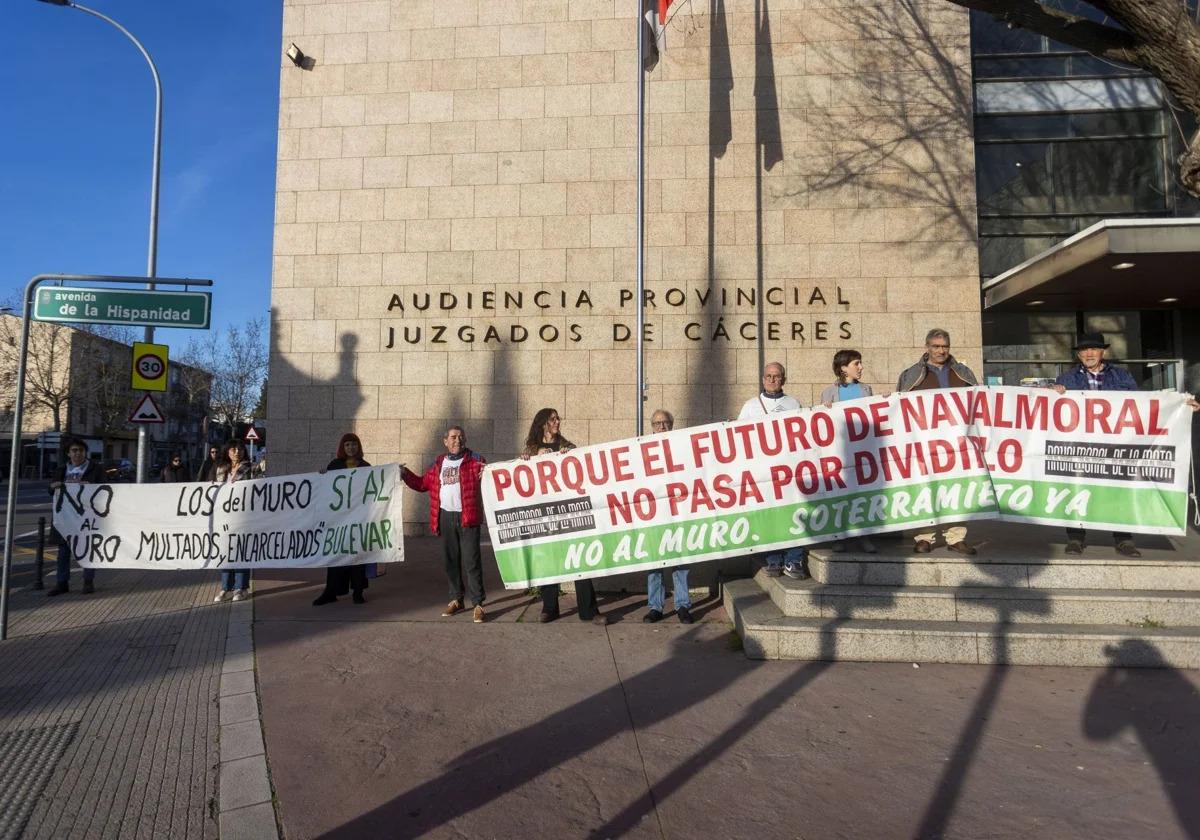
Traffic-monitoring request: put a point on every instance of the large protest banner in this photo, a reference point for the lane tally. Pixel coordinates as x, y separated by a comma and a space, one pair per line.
1107, 460
337, 518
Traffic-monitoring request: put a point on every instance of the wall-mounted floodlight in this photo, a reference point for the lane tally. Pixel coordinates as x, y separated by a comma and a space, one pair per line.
293, 52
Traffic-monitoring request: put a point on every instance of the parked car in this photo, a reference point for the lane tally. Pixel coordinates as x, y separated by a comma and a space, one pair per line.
118, 471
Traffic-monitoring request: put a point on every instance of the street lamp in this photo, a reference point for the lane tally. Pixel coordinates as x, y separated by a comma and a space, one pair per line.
152, 254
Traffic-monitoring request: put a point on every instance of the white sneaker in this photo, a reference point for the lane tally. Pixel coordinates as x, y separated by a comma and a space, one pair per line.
220, 597
240, 595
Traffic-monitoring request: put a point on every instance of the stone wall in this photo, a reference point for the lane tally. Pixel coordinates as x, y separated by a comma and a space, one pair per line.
809, 179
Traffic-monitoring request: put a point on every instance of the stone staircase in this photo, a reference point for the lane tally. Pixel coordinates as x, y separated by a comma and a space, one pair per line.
1019, 601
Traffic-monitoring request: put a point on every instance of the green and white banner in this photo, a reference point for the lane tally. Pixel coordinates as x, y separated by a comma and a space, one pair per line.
1115, 460
338, 518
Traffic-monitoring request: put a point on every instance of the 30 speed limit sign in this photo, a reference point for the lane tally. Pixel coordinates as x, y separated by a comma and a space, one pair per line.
149, 369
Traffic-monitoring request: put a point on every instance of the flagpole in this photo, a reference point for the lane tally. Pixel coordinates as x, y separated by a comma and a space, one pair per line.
641, 208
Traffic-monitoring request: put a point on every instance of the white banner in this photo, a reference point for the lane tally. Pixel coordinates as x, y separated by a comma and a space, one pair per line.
338, 518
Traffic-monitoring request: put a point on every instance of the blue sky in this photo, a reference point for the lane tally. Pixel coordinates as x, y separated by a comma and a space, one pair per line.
76, 141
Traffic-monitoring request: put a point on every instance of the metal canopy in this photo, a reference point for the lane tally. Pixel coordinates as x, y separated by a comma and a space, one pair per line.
1081, 273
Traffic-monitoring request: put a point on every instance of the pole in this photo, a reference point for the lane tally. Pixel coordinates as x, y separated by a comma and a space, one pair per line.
641, 212
152, 252
38, 564
18, 411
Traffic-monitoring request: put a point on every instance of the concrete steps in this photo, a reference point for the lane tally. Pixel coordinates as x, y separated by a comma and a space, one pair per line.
1097, 568
767, 633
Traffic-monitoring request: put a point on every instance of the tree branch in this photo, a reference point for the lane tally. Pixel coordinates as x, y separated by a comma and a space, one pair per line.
1095, 38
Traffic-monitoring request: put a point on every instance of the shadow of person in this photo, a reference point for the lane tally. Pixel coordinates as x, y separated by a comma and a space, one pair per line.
503, 765
1162, 707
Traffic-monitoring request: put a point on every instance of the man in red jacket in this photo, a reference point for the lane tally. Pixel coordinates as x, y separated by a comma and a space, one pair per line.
455, 514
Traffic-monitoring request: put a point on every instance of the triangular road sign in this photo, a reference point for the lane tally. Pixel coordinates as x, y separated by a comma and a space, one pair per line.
146, 411
252, 434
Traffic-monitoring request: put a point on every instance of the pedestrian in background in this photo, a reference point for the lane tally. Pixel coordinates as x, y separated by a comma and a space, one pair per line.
545, 437
663, 421
78, 469
342, 579
208, 468
453, 482
175, 472
848, 370
233, 466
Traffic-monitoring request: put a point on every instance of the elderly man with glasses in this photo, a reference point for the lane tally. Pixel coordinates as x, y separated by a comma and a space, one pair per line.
771, 400
664, 421
938, 369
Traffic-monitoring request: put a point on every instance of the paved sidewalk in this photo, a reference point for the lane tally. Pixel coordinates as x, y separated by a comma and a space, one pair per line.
386, 720
108, 708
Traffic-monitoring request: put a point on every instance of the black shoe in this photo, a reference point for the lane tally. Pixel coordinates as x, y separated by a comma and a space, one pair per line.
652, 617
1074, 547
358, 597
325, 597
58, 589
88, 587
546, 617
685, 615
1126, 548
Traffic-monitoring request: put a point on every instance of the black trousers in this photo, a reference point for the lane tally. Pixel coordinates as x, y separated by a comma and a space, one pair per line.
341, 579
460, 547
585, 597
1081, 535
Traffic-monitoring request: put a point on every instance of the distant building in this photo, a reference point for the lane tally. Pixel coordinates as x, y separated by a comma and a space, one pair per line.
77, 384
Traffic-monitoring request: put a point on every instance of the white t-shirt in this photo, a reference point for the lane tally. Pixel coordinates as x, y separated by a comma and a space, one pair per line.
75, 473
451, 490
762, 405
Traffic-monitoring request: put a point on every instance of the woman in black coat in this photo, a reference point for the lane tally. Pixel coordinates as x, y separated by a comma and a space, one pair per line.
341, 579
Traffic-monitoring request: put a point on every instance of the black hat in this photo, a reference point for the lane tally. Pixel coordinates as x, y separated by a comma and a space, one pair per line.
1088, 341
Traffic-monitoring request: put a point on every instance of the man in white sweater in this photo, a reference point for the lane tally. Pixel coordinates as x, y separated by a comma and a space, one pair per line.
771, 400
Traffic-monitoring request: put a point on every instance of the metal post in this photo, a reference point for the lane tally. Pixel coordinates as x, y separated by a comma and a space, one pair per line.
152, 253
41, 553
18, 411
641, 211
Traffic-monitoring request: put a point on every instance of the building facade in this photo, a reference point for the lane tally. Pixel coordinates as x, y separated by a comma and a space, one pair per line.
455, 225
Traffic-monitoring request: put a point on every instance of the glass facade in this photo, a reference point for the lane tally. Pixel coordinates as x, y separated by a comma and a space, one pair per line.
1064, 140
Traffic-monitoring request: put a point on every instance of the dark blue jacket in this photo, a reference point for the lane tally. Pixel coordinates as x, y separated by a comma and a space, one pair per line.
1112, 378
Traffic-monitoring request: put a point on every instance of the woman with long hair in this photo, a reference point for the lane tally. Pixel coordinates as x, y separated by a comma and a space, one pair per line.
848, 368
545, 436
233, 466
341, 579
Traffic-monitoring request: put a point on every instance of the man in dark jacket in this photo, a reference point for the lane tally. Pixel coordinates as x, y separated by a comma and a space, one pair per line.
79, 469
455, 513
1093, 373
175, 472
938, 369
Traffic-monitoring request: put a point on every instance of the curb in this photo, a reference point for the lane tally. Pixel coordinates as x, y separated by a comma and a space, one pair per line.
246, 810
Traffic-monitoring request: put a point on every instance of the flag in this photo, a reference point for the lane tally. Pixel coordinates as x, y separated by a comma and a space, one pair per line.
663, 5
650, 34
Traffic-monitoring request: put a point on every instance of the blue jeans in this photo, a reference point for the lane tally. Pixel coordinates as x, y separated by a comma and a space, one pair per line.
654, 583
796, 554
232, 581
62, 567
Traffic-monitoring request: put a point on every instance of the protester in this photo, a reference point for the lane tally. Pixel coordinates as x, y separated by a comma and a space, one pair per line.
175, 472
544, 437
79, 469
772, 400
208, 469
342, 579
1093, 373
938, 369
663, 421
848, 368
453, 483
233, 466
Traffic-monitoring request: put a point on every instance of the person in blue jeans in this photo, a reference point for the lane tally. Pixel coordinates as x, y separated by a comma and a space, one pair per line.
78, 469
663, 421
234, 466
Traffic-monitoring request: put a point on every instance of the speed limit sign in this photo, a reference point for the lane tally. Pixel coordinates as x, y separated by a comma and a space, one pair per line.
149, 368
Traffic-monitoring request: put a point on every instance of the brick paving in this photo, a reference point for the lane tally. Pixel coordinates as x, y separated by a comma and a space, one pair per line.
137, 668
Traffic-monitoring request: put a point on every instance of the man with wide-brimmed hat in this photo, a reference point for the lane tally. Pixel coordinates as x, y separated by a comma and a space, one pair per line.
1093, 373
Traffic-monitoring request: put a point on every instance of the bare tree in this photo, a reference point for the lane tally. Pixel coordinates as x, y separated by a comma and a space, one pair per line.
236, 360
1161, 37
